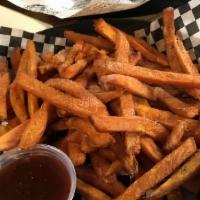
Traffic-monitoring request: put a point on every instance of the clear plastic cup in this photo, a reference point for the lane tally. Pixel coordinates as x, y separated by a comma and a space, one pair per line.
11, 156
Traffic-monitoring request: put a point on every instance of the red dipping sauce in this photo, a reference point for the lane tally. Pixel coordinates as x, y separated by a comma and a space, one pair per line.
42, 173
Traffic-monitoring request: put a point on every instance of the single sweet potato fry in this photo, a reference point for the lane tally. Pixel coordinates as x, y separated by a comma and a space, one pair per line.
32, 71
184, 59
127, 105
56, 98
160, 171
15, 59
169, 38
11, 139
90, 192
157, 77
122, 47
131, 140
188, 170
130, 84
78, 91
130, 124
176, 105
174, 139
68, 86
18, 102
96, 41
72, 70
164, 117
150, 148
4, 84
17, 95
88, 175
35, 128
109, 32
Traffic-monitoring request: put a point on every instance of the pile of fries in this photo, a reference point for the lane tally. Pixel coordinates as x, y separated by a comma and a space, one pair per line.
124, 108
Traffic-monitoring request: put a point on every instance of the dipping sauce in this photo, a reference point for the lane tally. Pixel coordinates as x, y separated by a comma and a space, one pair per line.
36, 177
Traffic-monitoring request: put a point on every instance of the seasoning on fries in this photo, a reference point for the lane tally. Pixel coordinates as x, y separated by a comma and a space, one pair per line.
115, 105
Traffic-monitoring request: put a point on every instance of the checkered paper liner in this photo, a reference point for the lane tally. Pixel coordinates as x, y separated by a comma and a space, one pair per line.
187, 24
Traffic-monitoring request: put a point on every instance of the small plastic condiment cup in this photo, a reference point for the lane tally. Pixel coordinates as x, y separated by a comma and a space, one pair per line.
46, 150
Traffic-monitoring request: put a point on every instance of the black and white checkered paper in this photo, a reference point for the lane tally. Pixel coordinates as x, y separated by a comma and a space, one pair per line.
187, 23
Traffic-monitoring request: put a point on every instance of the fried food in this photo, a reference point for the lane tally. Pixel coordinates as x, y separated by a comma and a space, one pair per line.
32, 71
124, 113
90, 192
4, 83
55, 97
94, 139
174, 139
150, 148
183, 174
88, 175
150, 76
107, 96
11, 139
72, 70
122, 48
164, 117
160, 171
15, 59
140, 45
96, 41
35, 128
130, 84
76, 90
169, 38
17, 95
176, 105
73, 150
130, 124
